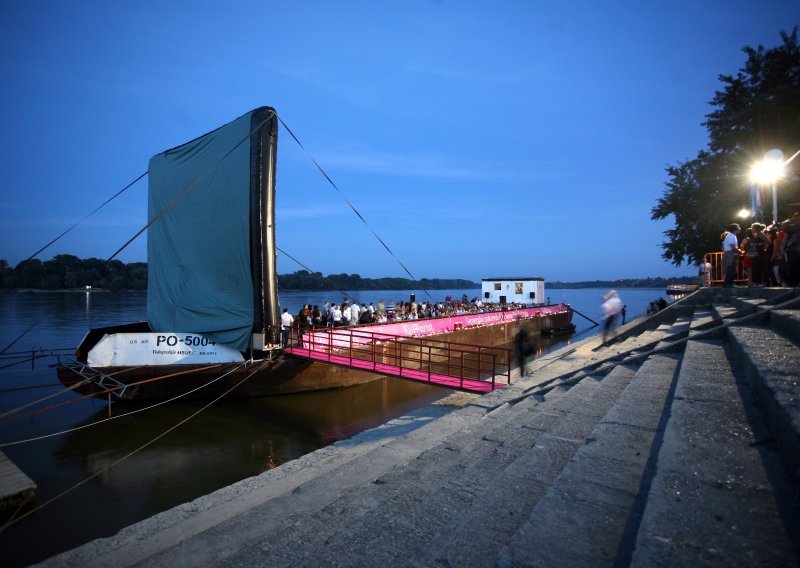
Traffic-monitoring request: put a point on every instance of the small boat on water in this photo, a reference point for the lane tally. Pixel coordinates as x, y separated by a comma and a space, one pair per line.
675, 289
213, 314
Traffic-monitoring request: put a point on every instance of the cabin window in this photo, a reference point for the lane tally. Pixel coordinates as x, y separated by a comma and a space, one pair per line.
518, 287
498, 286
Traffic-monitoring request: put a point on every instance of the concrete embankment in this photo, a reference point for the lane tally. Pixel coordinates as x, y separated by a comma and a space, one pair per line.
677, 443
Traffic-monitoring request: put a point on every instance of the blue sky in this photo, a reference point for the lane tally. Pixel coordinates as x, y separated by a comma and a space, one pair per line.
477, 138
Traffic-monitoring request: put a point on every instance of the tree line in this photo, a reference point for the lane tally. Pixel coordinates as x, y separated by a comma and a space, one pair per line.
625, 283
65, 271
305, 280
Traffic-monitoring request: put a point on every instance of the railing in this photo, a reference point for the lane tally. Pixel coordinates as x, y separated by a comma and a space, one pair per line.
421, 356
104, 382
717, 274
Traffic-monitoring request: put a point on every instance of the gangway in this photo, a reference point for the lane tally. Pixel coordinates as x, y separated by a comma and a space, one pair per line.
457, 366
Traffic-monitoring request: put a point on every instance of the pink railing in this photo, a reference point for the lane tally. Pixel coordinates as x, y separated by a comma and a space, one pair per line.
413, 357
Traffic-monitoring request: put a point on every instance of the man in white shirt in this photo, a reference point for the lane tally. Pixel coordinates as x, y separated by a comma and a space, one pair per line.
612, 307
286, 325
730, 249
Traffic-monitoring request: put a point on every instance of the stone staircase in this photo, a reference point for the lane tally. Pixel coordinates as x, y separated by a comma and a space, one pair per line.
676, 443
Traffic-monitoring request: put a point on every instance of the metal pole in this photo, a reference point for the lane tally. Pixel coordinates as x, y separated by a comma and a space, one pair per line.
774, 202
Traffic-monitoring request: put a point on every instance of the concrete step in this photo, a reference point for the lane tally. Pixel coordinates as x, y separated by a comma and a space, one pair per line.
702, 319
476, 533
720, 496
723, 311
770, 362
589, 514
746, 305
787, 322
388, 519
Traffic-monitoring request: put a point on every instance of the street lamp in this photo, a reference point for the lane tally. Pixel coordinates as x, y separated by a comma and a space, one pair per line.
767, 172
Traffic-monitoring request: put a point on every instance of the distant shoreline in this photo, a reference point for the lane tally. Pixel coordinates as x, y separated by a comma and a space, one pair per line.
549, 286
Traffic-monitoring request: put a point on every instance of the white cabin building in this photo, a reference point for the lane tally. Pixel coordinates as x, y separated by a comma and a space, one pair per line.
525, 290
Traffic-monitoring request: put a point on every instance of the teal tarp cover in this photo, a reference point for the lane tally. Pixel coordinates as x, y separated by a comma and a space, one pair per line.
199, 276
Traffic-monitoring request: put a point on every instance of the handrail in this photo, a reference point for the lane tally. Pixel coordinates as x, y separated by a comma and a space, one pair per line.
717, 274
462, 361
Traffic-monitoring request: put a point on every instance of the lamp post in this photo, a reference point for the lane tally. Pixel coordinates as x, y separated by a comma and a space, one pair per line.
767, 172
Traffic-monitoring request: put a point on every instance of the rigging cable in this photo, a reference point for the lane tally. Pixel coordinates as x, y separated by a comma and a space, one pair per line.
191, 187
20, 335
327, 177
126, 456
346, 295
84, 219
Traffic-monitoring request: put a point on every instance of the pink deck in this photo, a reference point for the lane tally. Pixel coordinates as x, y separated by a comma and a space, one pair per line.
343, 337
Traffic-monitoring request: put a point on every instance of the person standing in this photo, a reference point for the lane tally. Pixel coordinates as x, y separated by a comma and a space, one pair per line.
522, 347
730, 250
790, 248
325, 315
286, 325
756, 250
611, 308
704, 274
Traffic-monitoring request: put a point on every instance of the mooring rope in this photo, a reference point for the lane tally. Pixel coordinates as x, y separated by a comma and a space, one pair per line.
93, 395
177, 397
123, 458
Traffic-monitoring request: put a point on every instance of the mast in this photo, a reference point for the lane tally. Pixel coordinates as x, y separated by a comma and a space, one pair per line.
264, 148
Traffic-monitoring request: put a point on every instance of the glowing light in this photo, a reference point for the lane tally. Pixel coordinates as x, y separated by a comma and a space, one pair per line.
767, 171
744, 213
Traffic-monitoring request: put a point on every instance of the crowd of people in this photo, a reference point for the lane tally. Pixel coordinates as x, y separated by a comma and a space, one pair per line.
656, 306
770, 256
349, 312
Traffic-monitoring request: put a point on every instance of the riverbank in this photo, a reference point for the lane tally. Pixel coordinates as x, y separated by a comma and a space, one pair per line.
650, 449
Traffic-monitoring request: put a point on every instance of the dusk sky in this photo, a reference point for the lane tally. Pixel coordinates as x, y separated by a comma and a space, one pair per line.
477, 138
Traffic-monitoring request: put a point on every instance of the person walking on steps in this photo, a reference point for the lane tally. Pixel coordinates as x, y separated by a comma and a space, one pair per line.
611, 308
522, 347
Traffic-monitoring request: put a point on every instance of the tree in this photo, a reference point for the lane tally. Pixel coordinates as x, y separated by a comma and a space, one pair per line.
758, 109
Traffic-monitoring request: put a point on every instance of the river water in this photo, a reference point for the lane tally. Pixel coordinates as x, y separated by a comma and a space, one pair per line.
225, 443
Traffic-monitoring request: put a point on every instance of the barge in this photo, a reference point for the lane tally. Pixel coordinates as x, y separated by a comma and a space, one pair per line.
212, 300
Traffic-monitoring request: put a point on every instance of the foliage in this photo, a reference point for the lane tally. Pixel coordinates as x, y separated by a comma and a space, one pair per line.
757, 110
65, 271
305, 280
625, 283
